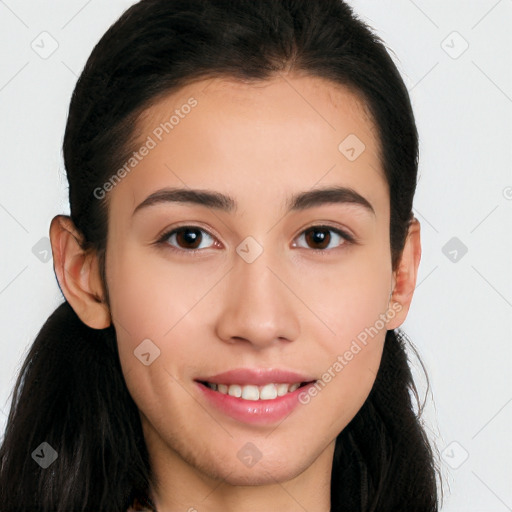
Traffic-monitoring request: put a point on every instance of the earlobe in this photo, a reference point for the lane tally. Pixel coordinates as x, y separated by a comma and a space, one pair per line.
404, 277
77, 271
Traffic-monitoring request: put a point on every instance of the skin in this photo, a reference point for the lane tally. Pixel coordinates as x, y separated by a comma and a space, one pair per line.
294, 307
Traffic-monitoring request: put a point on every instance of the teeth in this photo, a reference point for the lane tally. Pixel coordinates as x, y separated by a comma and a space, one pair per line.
268, 392
282, 389
235, 390
251, 392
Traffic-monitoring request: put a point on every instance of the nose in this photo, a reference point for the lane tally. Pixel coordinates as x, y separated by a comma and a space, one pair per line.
258, 305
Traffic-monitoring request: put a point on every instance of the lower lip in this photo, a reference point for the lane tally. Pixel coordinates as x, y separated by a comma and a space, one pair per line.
258, 412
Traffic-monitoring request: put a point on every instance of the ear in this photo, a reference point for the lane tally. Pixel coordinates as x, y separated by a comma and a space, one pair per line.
78, 273
404, 277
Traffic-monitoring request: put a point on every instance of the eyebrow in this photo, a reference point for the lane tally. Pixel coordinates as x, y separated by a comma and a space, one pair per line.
225, 203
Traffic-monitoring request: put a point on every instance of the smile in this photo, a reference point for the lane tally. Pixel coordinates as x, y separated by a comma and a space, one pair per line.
256, 396
251, 392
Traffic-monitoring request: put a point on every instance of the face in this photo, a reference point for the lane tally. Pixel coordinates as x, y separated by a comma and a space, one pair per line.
261, 284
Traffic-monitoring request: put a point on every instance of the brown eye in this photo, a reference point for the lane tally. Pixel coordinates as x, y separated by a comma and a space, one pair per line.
188, 237
318, 238
321, 237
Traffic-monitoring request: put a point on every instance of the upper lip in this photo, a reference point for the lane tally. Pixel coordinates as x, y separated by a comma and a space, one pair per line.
257, 377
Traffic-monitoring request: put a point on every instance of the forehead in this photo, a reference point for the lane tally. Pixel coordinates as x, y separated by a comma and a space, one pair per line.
294, 98
284, 133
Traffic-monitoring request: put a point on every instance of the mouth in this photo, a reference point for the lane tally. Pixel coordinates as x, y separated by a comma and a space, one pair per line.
255, 396
269, 391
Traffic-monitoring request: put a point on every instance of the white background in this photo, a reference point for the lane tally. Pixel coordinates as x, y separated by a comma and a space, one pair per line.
460, 319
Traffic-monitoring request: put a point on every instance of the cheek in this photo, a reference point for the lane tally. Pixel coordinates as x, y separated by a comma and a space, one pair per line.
353, 304
352, 298
149, 305
150, 296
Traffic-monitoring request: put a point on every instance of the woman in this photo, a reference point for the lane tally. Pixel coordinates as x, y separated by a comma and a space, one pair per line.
240, 255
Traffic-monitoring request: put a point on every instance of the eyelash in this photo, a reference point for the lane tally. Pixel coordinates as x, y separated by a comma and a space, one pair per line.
163, 239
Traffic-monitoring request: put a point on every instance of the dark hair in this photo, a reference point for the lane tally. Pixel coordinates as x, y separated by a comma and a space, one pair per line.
70, 391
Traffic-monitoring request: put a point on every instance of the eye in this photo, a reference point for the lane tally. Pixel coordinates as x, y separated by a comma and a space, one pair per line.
194, 238
324, 237
191, 238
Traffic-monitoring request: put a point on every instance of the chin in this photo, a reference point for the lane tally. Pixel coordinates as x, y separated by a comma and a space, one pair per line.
258, 476
263, 472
